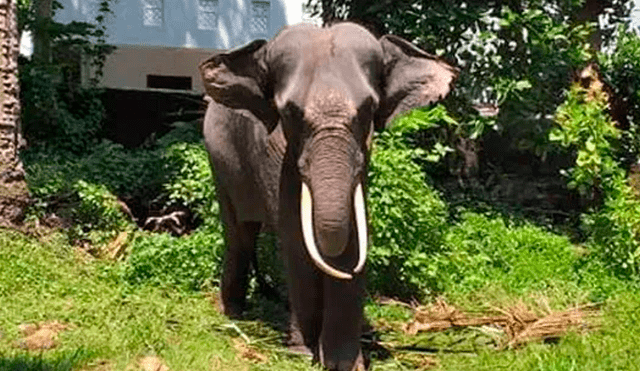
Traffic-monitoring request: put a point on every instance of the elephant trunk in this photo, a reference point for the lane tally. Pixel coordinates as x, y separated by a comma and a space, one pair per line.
330, 202
332, 182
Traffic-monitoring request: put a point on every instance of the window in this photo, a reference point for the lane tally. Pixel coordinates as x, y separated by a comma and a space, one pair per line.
207, 15
152, 13
169, 82
259, 17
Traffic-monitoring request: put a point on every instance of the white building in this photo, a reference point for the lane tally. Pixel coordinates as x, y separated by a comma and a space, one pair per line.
161, 42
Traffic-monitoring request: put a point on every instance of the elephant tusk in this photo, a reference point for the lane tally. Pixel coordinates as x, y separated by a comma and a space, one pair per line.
306, 208
361, 223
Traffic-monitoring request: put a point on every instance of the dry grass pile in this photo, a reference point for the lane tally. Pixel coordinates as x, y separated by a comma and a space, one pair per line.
518, 324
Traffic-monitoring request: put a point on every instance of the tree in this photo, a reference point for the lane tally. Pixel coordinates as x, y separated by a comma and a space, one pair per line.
13, 189
517, 58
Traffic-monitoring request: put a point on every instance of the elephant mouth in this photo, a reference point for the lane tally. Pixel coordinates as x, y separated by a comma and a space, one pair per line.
306, 214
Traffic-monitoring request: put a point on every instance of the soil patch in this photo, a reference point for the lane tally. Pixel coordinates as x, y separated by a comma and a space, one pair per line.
41, 336
151, 363
248, 353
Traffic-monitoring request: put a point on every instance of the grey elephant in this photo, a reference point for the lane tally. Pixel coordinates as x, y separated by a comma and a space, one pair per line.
288, 127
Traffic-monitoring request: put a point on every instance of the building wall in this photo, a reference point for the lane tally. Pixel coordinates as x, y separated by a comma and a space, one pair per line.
213, 24
171, 37
129, 66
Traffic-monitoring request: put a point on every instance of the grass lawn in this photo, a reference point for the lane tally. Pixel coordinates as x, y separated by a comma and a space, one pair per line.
112, 325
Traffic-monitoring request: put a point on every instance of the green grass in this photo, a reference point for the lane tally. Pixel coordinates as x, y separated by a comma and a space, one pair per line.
113, 323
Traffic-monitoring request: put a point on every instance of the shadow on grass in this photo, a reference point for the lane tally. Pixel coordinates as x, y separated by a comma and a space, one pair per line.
273, 312
49, 361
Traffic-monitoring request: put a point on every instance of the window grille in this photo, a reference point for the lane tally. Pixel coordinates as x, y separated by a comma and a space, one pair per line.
260, 17
306, 15
207, 14
152, 11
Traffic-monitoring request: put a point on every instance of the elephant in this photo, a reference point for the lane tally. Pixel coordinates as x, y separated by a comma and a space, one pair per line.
288, 126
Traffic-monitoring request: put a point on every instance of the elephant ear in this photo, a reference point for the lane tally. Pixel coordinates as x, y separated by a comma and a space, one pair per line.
412, 78
239, 80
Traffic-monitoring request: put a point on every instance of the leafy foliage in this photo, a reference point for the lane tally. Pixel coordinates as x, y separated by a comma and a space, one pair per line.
613, 228
584, 123
485, 249
58, 106
190, 182
408, 218
187, 262
98, 208
620, 67
69, 119
136, 173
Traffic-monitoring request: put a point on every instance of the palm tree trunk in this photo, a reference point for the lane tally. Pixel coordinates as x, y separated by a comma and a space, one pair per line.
13, 189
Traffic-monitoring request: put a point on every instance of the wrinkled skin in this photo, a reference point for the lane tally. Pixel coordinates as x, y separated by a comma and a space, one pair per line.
288, 127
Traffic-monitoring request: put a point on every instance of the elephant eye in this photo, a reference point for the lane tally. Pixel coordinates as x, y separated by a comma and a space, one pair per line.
291, 110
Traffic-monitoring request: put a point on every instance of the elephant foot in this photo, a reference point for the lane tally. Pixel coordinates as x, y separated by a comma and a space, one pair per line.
345, 365
295, 341
231, 308
296, 344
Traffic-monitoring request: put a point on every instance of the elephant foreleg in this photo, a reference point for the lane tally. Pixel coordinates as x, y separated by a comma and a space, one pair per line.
342, 320
305, 302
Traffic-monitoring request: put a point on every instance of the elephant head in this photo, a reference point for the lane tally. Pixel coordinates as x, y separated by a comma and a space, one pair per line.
328, 88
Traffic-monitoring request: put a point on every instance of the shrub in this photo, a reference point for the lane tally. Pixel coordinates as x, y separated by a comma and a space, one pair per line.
97, 215
52, 173
59, 113
85, 188
189, 179
621, 69
139, 173
187, 262
613, 226
98, 208
584, 125
485, 249
408, 218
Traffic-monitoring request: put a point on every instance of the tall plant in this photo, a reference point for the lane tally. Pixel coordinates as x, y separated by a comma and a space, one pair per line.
408, 217
58, 108
613, 223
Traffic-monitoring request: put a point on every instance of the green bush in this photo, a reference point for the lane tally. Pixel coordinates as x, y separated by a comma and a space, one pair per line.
140, 173
97, 215
57, 112
483, 250
621, 69
613, 226
85, 188
98, 208
137, 173
187, 262
614, 229
189, 179
583, 124
407, 217
191, 261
